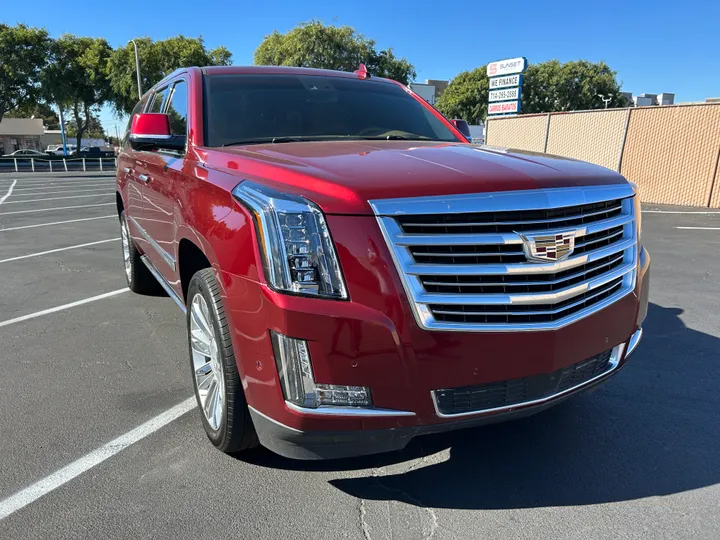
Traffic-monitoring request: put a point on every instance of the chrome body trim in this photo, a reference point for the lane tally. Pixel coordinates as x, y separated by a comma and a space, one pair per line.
163, 283
164, 254
622, 246
135, 137
330, 410
501, 201
634, 342
614, 361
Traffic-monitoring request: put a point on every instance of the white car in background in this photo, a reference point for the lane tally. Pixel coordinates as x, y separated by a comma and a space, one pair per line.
57, 149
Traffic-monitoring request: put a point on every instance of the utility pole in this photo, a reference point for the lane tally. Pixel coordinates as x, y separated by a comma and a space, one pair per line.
62, 131
137, 68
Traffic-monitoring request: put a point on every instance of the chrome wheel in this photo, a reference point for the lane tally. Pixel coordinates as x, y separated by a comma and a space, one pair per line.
207, 365
126, 248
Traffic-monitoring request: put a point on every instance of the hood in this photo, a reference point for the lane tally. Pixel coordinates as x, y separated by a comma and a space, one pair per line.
341, 176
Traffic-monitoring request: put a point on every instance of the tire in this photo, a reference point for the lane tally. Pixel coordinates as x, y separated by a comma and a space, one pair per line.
221, 400
139, 278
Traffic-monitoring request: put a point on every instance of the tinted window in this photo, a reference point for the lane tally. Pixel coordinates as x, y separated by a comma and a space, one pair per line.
244, 108
158, 100
177, 109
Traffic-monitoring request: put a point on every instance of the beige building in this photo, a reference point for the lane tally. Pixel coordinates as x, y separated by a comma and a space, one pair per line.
20, 133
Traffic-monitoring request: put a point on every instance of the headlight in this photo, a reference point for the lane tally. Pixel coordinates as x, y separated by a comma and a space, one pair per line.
298, 252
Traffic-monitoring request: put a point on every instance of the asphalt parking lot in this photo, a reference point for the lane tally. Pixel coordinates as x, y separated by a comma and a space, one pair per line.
638, 458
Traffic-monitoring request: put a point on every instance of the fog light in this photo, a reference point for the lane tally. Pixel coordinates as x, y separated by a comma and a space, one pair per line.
298, 382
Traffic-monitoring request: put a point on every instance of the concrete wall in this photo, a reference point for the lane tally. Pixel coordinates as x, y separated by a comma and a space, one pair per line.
671, 152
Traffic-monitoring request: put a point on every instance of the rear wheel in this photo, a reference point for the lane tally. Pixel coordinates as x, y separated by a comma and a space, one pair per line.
139, 278
218, 389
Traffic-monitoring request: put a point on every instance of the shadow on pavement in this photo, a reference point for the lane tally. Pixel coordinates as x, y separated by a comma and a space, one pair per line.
652, 430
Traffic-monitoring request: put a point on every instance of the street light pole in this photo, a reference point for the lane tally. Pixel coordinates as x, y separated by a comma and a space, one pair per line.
605, 100
137, 68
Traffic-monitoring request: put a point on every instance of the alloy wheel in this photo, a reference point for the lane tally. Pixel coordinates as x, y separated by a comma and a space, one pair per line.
207, 364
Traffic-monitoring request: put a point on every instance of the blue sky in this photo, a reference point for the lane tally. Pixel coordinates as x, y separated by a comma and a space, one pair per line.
656, 46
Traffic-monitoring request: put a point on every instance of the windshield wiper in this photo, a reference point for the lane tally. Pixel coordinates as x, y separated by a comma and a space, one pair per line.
274, 140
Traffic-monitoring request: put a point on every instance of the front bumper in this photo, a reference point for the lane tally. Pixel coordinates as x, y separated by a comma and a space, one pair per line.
335, 444
374, 341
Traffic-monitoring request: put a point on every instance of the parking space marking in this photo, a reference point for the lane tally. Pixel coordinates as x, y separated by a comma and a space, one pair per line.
700, 228
32, 493
60, 198
680, 212
55, 223
82, 189
55, 208
77, 246
63, 307
9, 192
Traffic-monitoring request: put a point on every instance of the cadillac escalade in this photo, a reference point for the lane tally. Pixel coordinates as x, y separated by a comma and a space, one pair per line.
355, 274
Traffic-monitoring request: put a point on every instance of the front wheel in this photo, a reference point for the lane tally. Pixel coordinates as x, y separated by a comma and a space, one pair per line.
218, 389
139, 278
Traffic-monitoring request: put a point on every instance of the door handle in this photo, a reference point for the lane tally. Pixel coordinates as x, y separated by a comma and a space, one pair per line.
127, 170
144, 178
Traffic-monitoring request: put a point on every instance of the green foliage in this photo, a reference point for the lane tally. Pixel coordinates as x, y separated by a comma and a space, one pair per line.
76, 78
157, 59
37, 110
314, 45
547, 87
23, 54
573, 86
93, 128
466, 96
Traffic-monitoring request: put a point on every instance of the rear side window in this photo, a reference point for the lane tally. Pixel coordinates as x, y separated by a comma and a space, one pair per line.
158, 100
177, 109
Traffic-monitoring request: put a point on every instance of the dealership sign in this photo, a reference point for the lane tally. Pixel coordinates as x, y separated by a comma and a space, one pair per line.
506, 107
504, 95
506, 67
504, 82
505, 85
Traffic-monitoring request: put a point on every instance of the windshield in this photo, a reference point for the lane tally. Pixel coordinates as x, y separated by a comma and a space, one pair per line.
246, 109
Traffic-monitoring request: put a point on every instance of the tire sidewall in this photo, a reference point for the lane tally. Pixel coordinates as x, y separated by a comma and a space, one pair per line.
199, 286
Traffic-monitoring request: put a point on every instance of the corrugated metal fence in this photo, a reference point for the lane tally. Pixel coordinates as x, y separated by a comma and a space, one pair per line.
671, 152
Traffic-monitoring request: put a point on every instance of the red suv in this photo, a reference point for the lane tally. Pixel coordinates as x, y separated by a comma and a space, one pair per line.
355, 274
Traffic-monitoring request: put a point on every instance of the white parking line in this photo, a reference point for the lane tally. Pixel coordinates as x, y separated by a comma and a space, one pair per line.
81, 189
60, 198
700, 228
9, 192
78, 246
63, 307
55, 208
679, 212
32, 493
56, 223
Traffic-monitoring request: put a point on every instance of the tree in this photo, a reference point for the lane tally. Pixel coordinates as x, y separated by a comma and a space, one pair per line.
23, 54
76, 78
466, 96
93, 127
157, 59
37, 110
547, 87
314, 45
573, 86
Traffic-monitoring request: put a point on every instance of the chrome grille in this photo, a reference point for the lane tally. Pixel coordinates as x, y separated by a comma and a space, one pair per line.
463, 264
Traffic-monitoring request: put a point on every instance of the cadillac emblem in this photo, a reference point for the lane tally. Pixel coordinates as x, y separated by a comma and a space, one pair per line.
548, 247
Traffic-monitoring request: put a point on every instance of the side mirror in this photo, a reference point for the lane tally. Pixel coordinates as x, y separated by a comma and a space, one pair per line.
151, 131
462, 127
